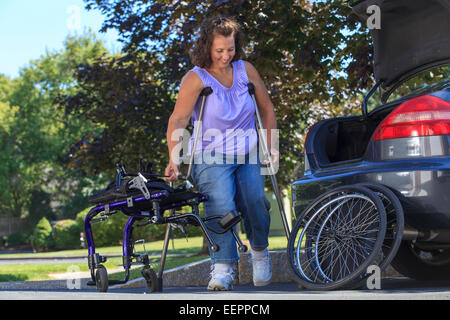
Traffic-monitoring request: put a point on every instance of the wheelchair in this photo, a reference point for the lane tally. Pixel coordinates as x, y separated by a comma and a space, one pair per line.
343, 232
144, 197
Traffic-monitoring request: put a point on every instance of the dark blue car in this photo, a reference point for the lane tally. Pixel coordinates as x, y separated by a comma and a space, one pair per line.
397, 149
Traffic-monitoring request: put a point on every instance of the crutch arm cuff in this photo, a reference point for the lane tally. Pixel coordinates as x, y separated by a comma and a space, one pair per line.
206, 92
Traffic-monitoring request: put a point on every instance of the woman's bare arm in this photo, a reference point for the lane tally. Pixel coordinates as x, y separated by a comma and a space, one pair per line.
190, 89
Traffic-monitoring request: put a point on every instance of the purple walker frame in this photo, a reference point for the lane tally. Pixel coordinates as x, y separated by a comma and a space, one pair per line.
153, 216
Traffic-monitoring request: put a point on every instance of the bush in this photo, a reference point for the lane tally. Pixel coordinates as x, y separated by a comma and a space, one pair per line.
18, 238
66, 234
38, 208
79, 219
3, 240
105, 233
42, 240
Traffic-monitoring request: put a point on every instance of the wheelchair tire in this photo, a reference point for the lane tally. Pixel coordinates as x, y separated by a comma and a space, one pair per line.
150, 278
101, 279
337, 237
395, 224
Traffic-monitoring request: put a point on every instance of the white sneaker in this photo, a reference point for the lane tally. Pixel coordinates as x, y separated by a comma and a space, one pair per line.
262, 268
222, 277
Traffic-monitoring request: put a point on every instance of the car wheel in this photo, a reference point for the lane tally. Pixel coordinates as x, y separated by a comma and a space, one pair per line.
420, 264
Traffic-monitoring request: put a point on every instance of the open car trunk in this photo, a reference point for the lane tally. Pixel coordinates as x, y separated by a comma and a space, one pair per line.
414, 37
338, 140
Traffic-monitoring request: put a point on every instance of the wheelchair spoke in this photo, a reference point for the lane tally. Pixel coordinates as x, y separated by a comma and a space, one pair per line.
340, 234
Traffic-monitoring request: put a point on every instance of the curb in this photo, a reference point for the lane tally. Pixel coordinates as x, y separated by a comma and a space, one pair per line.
197, 273
191, 275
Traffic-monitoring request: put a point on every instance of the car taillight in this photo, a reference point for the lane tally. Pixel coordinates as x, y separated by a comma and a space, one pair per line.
421, 116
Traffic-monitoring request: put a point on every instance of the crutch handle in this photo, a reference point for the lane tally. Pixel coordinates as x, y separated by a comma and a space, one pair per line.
251, 88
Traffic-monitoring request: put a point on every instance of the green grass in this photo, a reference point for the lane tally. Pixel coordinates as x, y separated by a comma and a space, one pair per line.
180, 245
192, 246
35, 272
29, 272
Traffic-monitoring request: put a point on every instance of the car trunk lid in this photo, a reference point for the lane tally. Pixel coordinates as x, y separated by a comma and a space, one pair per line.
413, 36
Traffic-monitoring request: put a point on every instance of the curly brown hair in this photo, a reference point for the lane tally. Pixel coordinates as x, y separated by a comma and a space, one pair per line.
217, 25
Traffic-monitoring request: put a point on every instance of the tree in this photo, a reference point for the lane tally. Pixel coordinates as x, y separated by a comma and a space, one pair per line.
310, 53
11, 170
35, 134
129, 102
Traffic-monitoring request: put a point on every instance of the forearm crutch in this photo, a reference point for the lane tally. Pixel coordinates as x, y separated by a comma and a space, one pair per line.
267, 155
205, 92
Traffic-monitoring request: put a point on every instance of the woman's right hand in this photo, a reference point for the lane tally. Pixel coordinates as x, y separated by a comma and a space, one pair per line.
190, 89
172, 171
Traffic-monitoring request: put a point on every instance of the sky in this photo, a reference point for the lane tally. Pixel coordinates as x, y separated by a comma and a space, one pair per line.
30, 27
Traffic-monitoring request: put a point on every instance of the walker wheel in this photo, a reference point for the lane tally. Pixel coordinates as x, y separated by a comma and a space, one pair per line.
150, 277
101, 279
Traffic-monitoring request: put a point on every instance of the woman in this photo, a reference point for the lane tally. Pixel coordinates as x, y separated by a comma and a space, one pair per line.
230, 184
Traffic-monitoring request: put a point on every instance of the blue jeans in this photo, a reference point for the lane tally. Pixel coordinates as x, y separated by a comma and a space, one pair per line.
237, 187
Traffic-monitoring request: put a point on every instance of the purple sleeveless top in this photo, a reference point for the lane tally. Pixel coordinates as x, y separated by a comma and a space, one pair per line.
228, 124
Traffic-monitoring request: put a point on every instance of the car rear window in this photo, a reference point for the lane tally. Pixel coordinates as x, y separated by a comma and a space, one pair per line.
420, 82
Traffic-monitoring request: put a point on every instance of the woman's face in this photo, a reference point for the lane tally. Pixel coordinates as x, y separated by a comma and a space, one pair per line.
222, 51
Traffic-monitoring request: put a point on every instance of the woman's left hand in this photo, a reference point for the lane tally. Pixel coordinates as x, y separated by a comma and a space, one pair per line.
275, 154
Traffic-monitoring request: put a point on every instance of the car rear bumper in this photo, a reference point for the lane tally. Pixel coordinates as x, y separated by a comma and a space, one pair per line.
422, 185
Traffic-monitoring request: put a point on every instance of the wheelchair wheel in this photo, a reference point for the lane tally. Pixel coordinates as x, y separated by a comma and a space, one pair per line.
151, 278
337, 237
395, 223
101, 279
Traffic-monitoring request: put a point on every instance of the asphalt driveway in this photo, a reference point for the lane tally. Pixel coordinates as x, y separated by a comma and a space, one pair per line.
391, 289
